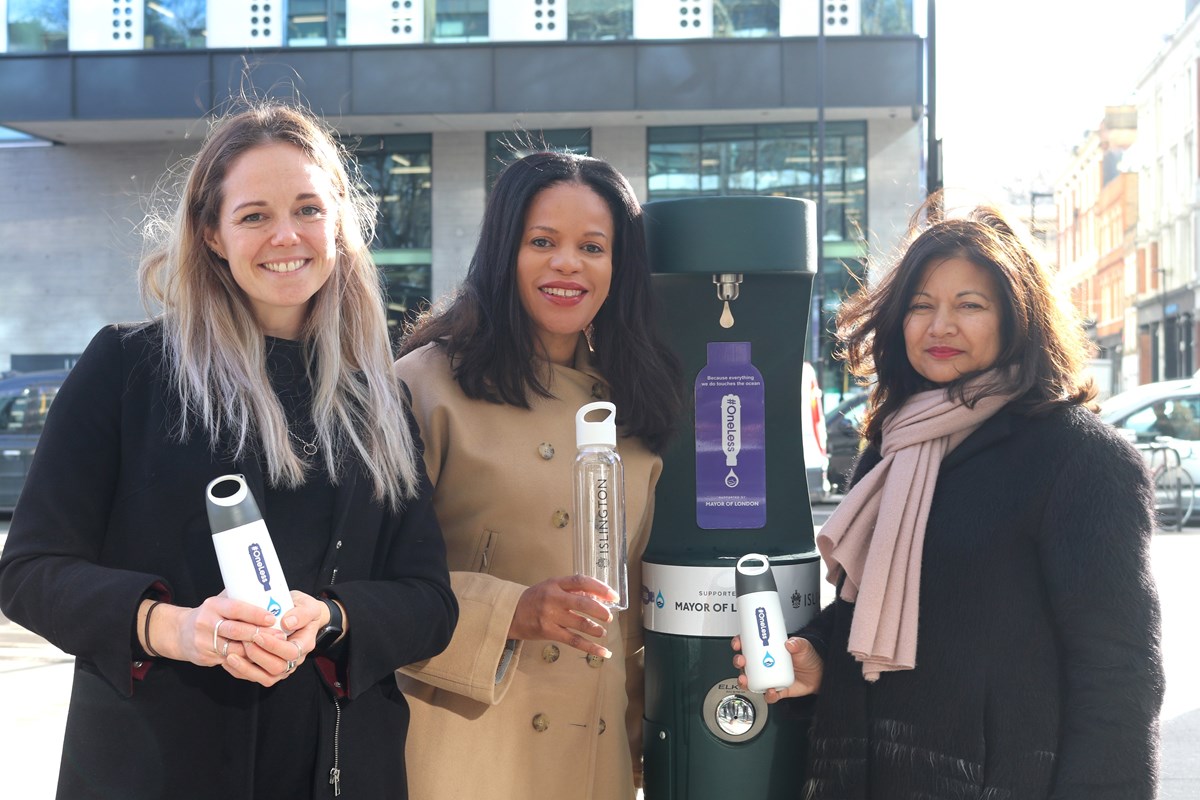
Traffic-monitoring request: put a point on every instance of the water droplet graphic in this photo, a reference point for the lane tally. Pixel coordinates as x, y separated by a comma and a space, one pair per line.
768, 661
659, 601
731, 480
726, 317
274, 608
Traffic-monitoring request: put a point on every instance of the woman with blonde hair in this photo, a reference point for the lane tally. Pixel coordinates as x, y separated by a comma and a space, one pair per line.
268, 357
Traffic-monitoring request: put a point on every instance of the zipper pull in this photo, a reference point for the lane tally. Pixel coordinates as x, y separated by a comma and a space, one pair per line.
335, 777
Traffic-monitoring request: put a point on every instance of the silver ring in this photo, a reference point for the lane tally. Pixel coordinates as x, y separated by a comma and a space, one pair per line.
291, 665
216, 630
225, 649
299, 652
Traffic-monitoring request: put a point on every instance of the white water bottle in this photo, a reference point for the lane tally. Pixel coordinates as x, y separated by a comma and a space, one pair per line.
761, 625
249, 565
600, 551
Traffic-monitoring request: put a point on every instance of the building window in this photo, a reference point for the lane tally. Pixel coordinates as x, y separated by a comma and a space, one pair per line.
780, 160
745, 18
175, 24
316, 23
599, 19
505, 147
37, 26
461, 21
399, 171
886, 17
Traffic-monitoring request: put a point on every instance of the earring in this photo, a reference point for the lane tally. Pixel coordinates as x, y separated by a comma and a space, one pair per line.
589, 333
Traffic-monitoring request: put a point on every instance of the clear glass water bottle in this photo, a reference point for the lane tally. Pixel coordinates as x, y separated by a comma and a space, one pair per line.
600, 550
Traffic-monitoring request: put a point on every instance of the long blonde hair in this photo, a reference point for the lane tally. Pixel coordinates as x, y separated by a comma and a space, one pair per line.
215, 349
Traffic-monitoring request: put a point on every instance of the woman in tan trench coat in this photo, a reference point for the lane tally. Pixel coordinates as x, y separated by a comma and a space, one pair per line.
540, 692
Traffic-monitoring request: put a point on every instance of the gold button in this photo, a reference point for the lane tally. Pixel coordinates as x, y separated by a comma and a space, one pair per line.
540, 722
603, 727
546, 450
598, 390
550, 653
561, 518
595, 661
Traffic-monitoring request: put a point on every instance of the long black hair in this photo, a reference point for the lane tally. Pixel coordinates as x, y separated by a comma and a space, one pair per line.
490, 338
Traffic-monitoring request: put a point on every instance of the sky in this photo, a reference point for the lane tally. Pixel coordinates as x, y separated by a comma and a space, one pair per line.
1019, 82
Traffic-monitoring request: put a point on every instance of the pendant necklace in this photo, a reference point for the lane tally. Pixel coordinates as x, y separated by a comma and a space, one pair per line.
310, 448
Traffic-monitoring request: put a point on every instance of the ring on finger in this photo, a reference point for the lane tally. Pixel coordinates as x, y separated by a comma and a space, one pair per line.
291, 665
299, 652
216, 631
225, 649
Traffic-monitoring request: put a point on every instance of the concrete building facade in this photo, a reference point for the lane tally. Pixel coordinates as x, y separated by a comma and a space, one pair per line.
1168, 249
741, 103
1096, 199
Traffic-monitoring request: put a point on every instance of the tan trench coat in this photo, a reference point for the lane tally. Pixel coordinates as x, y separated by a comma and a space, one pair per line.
553, 725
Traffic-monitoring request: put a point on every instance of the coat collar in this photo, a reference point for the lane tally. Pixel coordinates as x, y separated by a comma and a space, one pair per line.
996, 427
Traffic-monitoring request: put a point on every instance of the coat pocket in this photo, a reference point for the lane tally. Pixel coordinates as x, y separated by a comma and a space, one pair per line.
485, 551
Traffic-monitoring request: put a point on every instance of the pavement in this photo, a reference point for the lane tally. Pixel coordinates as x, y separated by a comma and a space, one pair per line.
35, 683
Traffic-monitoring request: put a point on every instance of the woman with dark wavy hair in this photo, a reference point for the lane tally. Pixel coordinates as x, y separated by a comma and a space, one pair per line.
554, 313
996, 629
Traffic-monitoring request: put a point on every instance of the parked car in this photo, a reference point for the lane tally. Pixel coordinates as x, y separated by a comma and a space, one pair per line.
812, 433
24, 400
844, 440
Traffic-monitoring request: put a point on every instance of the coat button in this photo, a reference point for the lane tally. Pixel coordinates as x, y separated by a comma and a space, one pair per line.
546, 450
550, 653
598, 390
561, 518
540, 722
595, 661
603, 727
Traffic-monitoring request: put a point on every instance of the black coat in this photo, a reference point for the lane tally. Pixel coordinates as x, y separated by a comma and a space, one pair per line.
115, 505
1039, 673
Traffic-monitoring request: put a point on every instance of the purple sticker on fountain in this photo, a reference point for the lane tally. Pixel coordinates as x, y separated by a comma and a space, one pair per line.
731, 464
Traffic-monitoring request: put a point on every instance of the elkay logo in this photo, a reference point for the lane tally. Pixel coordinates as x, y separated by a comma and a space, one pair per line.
260, 566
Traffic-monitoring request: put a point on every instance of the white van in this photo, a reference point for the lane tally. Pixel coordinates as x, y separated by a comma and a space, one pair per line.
812, 440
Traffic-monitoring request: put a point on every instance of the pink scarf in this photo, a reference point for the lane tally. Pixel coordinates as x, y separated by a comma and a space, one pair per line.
880, 554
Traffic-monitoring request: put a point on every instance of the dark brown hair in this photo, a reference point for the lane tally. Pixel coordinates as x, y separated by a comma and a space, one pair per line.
1043, 343
490, 338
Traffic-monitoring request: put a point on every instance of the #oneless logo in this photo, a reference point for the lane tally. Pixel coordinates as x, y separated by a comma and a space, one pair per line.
264, 575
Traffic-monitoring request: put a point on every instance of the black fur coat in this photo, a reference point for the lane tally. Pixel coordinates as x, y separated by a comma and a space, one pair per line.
1039, 673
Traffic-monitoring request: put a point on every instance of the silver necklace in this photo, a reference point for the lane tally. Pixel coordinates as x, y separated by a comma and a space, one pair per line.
310, 448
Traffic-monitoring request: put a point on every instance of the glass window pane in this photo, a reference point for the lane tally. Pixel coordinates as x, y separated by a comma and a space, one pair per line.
673, 170
175, 24
673, 133
505, 147
37, 26
600, 19
408, 287
399, 171
461, 21
886, 17
315, 23
745, 18
785, 166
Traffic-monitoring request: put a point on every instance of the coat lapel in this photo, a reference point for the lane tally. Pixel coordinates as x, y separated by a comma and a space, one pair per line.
996, 427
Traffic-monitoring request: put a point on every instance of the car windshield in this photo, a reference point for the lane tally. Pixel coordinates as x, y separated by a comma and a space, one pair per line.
1119, 405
